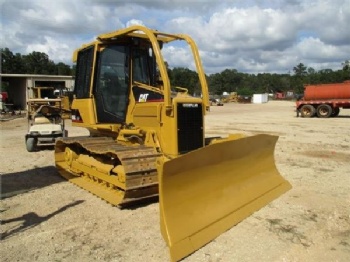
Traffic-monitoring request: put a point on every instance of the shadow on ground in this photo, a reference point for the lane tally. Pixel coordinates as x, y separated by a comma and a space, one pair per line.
13, 184
31, 219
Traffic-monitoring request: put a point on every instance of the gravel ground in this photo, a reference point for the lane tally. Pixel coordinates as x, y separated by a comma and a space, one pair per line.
46, 218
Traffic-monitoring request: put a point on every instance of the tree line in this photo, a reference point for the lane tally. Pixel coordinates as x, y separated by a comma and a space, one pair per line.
37, 63
229, 80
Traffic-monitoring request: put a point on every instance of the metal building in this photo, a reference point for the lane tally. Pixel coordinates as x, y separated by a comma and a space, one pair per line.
20, 86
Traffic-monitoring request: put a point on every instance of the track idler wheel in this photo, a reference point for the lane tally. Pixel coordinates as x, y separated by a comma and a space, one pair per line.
69, 156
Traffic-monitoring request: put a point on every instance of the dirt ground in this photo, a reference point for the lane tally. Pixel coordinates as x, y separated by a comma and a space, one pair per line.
46, 218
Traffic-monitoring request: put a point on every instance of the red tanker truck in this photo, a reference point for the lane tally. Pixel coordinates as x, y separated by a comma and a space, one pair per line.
324, 100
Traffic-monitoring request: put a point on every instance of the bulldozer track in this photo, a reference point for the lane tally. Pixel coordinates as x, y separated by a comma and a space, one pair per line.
119, 174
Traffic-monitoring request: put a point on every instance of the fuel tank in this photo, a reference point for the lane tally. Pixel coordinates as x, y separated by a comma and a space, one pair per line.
327, 91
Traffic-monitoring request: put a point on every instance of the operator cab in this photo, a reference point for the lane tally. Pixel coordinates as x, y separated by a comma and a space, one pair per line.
119, 65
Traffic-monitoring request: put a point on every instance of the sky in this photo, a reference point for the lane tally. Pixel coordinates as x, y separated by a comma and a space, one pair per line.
249, 36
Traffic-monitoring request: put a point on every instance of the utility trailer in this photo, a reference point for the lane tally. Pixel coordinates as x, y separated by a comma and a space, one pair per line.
324, 100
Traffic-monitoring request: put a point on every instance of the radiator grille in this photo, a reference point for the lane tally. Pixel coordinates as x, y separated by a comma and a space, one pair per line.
190, 131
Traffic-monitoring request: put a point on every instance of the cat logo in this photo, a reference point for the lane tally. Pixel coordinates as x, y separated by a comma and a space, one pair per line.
143, 97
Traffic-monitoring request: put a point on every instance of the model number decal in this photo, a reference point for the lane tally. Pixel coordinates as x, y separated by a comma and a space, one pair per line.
190, 105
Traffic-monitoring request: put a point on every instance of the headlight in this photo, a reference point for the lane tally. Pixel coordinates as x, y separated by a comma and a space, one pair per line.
34, 133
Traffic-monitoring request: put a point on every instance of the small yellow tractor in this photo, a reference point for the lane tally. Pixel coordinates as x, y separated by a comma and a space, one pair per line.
147, 138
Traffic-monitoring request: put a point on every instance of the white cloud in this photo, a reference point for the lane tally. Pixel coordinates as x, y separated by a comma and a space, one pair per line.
250, 36
51, 47
178, 57
256, 39
329, 20
134, 22
313, 48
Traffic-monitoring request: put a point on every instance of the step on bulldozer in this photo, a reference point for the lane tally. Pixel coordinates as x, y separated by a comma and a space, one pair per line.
147, 139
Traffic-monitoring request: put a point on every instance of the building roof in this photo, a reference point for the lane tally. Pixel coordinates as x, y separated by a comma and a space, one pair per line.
34, 76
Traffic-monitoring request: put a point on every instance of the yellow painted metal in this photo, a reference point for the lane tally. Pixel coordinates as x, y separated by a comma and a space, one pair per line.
132, 179
202, 193
87, 110
155, 37
74, 168
207, 191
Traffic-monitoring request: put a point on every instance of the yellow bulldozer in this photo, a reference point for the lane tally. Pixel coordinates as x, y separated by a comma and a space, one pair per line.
147, 139
231, 97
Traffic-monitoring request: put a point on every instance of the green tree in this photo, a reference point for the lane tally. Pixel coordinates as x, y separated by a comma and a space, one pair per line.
327, 76
346, 65
346, 69
63, 69
38, 63
300, 70
245, 91
229, 80
184, 77
33, 63
298, 79
7, 59
216, 84
11, 63
313, 77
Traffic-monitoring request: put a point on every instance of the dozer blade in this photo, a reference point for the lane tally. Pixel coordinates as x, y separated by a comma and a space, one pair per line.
207, 191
